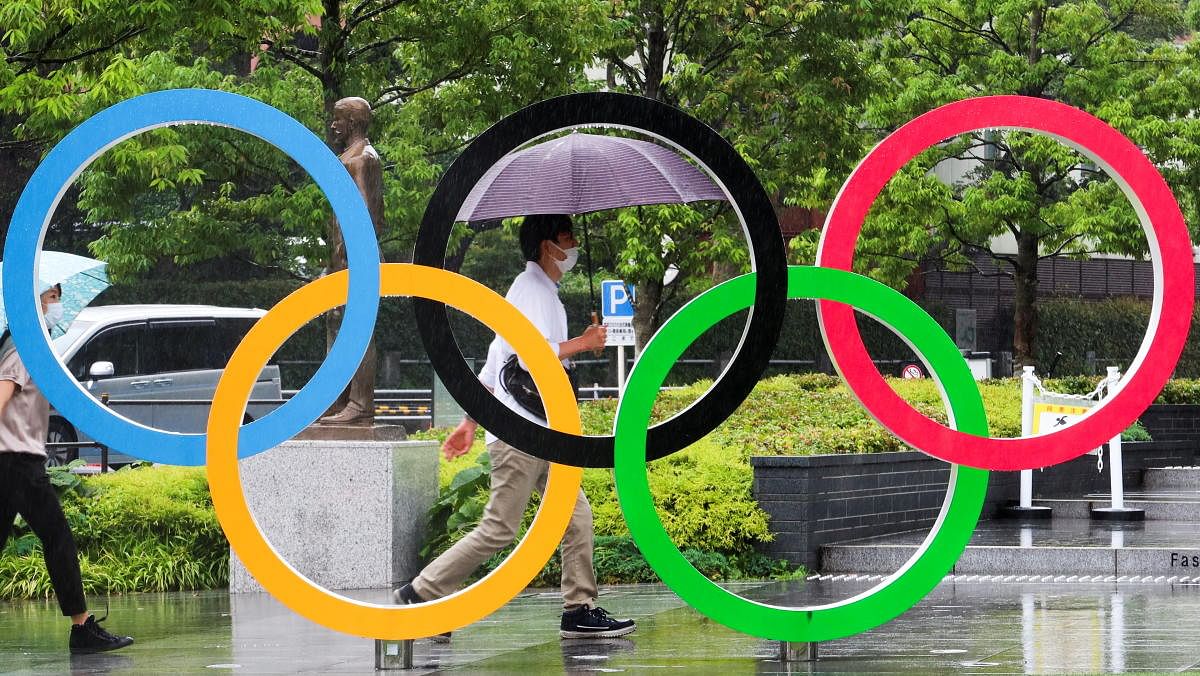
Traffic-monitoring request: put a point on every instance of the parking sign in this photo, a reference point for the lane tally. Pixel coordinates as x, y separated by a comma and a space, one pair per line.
616, 299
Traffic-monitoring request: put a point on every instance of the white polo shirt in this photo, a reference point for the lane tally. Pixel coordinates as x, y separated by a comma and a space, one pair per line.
535, 295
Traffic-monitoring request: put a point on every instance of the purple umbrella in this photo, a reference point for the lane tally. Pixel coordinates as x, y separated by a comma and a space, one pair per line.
578, 173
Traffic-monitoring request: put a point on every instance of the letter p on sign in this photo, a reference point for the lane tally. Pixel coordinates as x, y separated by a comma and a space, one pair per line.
616, 300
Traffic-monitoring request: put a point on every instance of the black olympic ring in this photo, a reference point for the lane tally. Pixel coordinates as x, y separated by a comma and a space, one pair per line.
749, 201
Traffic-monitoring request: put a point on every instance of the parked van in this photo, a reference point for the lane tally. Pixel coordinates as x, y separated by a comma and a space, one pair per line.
155, 353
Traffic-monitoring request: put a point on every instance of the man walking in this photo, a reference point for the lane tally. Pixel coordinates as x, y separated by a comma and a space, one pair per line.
550, 250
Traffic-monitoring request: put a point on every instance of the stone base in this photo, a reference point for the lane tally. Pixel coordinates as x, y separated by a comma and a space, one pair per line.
352, 433
797, 652
393, 655
1025, 513
345, 514
1114, 514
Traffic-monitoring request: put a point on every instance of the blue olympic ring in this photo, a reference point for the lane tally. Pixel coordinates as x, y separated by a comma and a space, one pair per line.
115, 124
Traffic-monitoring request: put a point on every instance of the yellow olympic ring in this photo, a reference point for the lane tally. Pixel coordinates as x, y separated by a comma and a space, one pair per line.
298, 592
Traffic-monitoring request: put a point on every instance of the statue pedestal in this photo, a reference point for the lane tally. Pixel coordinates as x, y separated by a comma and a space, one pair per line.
352, 433
347, 514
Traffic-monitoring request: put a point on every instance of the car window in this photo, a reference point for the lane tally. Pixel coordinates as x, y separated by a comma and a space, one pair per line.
118, 345
183, 346
232, 331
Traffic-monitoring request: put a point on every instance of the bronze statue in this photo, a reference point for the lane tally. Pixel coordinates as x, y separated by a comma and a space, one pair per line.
351, 118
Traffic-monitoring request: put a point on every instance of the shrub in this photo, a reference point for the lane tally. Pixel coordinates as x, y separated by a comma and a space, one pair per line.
1111, 329
702, 495
139, 529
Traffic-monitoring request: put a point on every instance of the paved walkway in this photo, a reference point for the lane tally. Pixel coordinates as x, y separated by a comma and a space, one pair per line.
967, 627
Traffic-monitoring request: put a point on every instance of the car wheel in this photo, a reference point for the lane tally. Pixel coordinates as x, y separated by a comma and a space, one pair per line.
61, 432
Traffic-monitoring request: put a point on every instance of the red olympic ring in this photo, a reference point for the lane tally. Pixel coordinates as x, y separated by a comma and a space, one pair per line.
1170, 249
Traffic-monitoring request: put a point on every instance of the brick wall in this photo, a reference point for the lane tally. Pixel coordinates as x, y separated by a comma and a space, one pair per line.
822, 499
1173, 422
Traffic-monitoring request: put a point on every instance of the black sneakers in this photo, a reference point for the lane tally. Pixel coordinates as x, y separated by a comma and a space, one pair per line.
90, 637
584, 622
406, 595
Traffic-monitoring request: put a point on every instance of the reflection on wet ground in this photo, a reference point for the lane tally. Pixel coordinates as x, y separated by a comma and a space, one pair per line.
1060, 532
973, 627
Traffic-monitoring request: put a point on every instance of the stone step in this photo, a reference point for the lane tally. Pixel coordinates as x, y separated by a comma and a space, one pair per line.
999, 560
1172, 478
1159, 506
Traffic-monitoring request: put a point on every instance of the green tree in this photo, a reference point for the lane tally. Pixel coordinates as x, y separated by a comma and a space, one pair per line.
436, 73
63, 60
1127, 61
783, 81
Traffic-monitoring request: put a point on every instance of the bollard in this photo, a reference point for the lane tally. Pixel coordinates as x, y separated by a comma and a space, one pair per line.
393, 655
1025, 508
1116, 475
790, 651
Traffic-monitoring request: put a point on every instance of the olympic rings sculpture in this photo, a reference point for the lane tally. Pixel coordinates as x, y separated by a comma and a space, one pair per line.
839, 292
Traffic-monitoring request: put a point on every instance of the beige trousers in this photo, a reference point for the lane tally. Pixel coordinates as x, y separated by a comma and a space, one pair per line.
515, 475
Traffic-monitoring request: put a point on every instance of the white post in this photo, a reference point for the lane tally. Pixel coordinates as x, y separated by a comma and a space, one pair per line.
1115, 468
1027, 431
620, 370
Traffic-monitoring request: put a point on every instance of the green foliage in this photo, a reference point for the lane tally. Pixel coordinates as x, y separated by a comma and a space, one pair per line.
1180, 391
1118, 61
1111, 329
1136, 432
436, 73
65, 481
702, 495
783, 82
143, 529
458, 508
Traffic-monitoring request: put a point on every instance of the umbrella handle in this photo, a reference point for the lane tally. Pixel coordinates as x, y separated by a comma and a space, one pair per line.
596, 321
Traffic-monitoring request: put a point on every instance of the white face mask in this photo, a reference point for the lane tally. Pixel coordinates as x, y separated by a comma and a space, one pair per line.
54, 314
565, 266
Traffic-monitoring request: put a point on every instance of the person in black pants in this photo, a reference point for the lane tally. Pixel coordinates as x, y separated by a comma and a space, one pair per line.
25, 489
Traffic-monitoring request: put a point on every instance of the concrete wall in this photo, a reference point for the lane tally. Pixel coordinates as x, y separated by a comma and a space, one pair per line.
346, 514
822, 499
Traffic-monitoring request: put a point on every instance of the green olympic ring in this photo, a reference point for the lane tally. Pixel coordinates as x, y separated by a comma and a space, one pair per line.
904, 588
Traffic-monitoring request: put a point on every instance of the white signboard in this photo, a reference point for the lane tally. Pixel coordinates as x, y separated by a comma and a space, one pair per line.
620, 333
1050, 416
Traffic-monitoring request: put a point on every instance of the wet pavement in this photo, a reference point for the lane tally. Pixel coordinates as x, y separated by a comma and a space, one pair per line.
962, 627
1060, 532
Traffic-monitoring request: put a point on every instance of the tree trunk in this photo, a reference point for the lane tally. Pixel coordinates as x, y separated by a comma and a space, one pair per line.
331, 63
1026, 274
328, 41
655, 64
646, 309
1024, 307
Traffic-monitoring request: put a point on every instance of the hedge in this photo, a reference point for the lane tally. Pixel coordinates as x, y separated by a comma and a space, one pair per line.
154, 529
703, 493
1112, 330
139, 529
